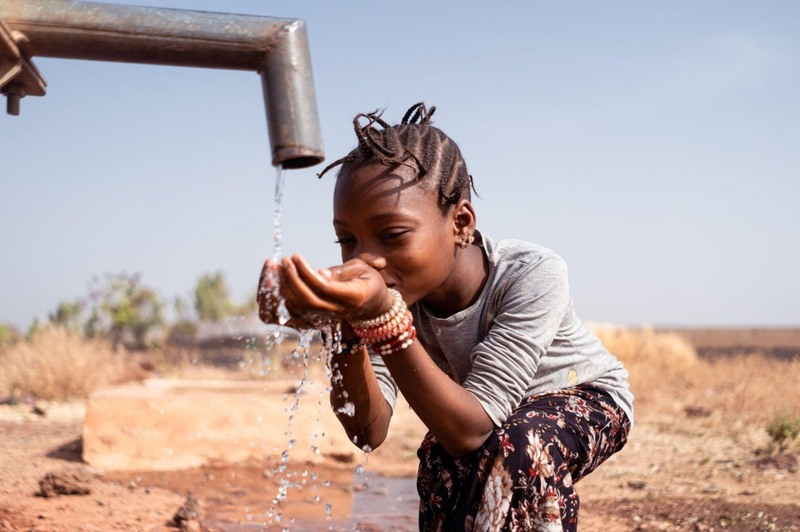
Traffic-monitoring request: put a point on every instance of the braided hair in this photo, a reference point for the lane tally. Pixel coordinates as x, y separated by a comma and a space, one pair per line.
415, 143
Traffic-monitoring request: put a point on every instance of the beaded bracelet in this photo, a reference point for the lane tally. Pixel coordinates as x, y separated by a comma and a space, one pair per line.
398, 308
389, 333
410, 333
388, 330
396, 348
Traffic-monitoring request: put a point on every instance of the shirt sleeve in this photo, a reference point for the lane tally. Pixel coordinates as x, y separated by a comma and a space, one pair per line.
526, 320
385, 381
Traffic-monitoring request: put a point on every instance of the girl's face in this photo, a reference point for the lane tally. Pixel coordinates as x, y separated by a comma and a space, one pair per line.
391, 221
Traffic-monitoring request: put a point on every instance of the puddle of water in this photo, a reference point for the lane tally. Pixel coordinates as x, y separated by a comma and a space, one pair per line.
241, 497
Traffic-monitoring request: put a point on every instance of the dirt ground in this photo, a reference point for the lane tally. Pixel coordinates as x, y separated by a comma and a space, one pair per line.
671, 476
679, 472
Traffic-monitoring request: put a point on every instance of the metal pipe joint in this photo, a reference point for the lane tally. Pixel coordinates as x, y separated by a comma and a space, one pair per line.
275, 48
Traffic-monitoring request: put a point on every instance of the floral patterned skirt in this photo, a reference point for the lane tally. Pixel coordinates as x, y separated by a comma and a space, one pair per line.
522, 478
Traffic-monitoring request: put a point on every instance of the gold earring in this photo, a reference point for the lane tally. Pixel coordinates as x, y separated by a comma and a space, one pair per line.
466, 242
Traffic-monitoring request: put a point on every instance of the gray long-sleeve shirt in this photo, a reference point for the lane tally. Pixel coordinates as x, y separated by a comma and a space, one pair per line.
519, 338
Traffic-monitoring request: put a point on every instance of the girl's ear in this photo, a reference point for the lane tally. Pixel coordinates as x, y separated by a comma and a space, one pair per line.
463, 217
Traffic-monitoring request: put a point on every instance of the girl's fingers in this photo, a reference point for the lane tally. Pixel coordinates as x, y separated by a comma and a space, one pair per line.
352, 269
316, 281
301, 295
287, 286
332, 283
267, 303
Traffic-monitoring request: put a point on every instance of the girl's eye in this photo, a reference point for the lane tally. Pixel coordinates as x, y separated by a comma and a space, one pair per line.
343, 241
392, 235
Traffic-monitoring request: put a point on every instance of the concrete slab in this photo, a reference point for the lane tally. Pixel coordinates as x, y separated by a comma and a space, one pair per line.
164, 424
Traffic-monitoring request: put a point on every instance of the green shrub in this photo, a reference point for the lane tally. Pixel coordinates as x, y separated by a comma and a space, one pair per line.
784, 428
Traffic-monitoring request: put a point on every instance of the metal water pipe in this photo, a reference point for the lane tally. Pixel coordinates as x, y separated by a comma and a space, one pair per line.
276, 48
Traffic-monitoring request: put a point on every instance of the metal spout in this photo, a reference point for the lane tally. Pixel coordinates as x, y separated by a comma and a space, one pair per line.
274, 47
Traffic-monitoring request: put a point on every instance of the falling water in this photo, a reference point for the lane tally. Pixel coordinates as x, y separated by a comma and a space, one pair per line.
283, 314
329, 331
276, 255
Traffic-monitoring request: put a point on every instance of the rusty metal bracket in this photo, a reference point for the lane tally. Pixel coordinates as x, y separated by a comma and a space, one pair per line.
19, 77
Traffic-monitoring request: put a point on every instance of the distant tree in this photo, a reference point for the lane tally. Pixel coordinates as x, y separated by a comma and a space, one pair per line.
248, 306
182, 332
9, 335
33, 328
67, 315
212, 300
181, 307
124, 310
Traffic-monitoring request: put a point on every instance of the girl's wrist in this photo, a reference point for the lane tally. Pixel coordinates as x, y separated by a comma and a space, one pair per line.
347, 331
390, 332
387, 309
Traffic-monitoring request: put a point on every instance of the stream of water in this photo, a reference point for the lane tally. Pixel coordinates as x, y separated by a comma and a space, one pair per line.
282, 511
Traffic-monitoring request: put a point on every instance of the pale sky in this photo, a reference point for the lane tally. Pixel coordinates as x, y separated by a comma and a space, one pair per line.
654, 145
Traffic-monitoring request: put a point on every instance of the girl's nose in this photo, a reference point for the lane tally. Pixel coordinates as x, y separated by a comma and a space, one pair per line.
375, 261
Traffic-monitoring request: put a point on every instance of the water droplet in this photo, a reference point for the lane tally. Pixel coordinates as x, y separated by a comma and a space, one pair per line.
348, 409
328, 508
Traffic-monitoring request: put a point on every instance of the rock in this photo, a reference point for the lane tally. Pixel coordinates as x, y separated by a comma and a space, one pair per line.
65, 482
779, 461
696, 411
190, 515
637, 484
191, 526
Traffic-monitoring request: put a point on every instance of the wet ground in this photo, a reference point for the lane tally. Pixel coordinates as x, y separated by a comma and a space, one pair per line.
249, 497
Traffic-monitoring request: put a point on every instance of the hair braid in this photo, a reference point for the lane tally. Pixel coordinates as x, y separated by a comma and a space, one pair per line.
414, 143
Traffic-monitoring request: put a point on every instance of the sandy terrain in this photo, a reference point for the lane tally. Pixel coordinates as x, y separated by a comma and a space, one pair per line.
689, 465
667, 478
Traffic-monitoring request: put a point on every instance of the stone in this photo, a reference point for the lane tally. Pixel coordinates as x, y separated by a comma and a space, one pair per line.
191, 514
65, 482
166, 424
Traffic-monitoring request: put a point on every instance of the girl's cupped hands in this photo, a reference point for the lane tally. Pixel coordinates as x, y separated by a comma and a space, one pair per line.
351, 291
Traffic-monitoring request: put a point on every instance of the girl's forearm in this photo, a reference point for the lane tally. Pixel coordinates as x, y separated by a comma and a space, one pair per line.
366, 418
453, 414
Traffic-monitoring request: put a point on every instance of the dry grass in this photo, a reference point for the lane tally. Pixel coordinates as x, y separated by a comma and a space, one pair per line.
56, 364
659, 363
730, 394
746, 389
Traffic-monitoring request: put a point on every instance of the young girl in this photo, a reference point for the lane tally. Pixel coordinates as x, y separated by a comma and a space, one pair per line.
520, 399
